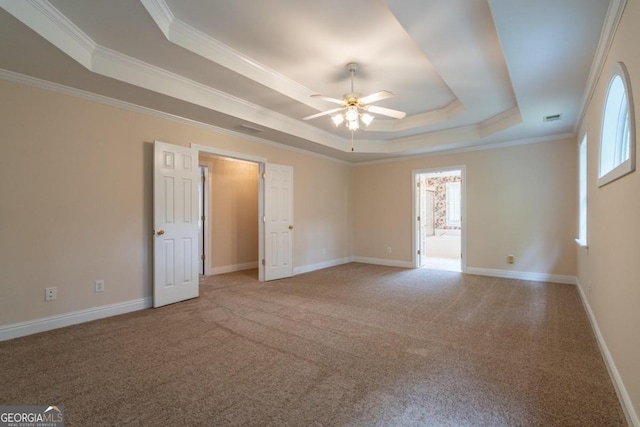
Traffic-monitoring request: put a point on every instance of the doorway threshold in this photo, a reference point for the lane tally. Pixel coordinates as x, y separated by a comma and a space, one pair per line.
443, 264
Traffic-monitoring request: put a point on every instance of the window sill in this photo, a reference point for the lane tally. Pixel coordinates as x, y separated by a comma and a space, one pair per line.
582, 243
618, 172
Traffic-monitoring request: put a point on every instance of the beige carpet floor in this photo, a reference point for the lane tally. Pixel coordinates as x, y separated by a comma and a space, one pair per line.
354, 345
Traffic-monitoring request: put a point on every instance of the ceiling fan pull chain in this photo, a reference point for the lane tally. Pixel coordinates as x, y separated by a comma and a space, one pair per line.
351, 140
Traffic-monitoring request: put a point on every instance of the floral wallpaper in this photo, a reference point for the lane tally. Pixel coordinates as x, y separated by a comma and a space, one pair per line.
440, 197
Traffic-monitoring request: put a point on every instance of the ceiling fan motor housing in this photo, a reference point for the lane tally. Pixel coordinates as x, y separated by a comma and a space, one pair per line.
352, 98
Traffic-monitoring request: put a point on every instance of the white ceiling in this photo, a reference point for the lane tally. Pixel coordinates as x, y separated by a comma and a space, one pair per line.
469, 73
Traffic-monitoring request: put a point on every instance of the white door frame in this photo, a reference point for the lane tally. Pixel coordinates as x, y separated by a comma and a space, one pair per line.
420, 203
261, 162
463, 209
206, 210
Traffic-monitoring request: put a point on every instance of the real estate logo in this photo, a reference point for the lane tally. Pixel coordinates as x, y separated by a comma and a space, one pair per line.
31, 416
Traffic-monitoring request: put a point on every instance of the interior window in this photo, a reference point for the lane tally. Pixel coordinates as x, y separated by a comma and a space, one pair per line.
617, 142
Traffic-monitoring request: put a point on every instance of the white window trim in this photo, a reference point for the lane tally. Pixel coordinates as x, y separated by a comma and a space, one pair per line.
628, 165
582, 192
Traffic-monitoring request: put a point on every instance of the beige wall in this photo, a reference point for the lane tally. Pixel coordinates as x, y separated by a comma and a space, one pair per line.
609, 272
233, 211
520, 200
76, 182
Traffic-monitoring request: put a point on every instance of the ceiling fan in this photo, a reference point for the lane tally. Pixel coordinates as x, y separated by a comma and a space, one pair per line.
355, 108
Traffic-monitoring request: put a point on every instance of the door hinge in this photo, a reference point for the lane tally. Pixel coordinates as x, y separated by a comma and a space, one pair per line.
202, 178
263, 263
202, 218
418, 218
202, 257
418, 185
264, 175
419, 253
264, 219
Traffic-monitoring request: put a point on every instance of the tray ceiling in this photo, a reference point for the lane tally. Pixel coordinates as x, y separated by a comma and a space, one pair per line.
469, 74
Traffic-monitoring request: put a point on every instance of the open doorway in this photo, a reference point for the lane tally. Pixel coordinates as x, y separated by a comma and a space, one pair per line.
439, 199
229, 203
275, 215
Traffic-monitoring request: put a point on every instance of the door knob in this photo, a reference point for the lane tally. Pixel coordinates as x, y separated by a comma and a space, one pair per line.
291, 227
160, 232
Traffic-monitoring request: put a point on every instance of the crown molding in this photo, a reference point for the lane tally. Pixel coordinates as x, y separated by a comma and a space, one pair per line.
463, 147
611, 22
46, 20
193, 40
160, 13
435, 140
421, 119
451, 136
133, 71
500, 122
112, 102
51, 24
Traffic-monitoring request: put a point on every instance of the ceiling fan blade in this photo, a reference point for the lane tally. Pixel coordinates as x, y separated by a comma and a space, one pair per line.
386, 112
324, 113
375, 97
326, 98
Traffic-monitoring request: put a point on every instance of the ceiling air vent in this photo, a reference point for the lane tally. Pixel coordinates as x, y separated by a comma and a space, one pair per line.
552, 118
248, 129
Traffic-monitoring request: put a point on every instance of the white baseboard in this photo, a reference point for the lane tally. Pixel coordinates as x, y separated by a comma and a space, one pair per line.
232, 268
380, 261
43, 324
320, 265
523, 275
623, 396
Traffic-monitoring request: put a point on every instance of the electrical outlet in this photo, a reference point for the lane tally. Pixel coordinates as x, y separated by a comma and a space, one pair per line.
510, 259
389, 249
50, 294
99, 285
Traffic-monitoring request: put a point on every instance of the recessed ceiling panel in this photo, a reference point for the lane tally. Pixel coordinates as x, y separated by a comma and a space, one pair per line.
312, 41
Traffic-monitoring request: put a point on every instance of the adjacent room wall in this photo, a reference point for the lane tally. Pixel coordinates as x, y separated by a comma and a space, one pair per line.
609, 270
76, 185
520, 201
233, 214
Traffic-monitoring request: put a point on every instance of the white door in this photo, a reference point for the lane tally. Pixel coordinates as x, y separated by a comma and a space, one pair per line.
175, 222
278, 201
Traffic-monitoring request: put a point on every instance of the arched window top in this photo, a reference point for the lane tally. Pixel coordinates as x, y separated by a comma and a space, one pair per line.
617, 141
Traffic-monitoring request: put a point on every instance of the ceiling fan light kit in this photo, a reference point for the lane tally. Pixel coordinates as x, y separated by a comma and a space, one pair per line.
354, 108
